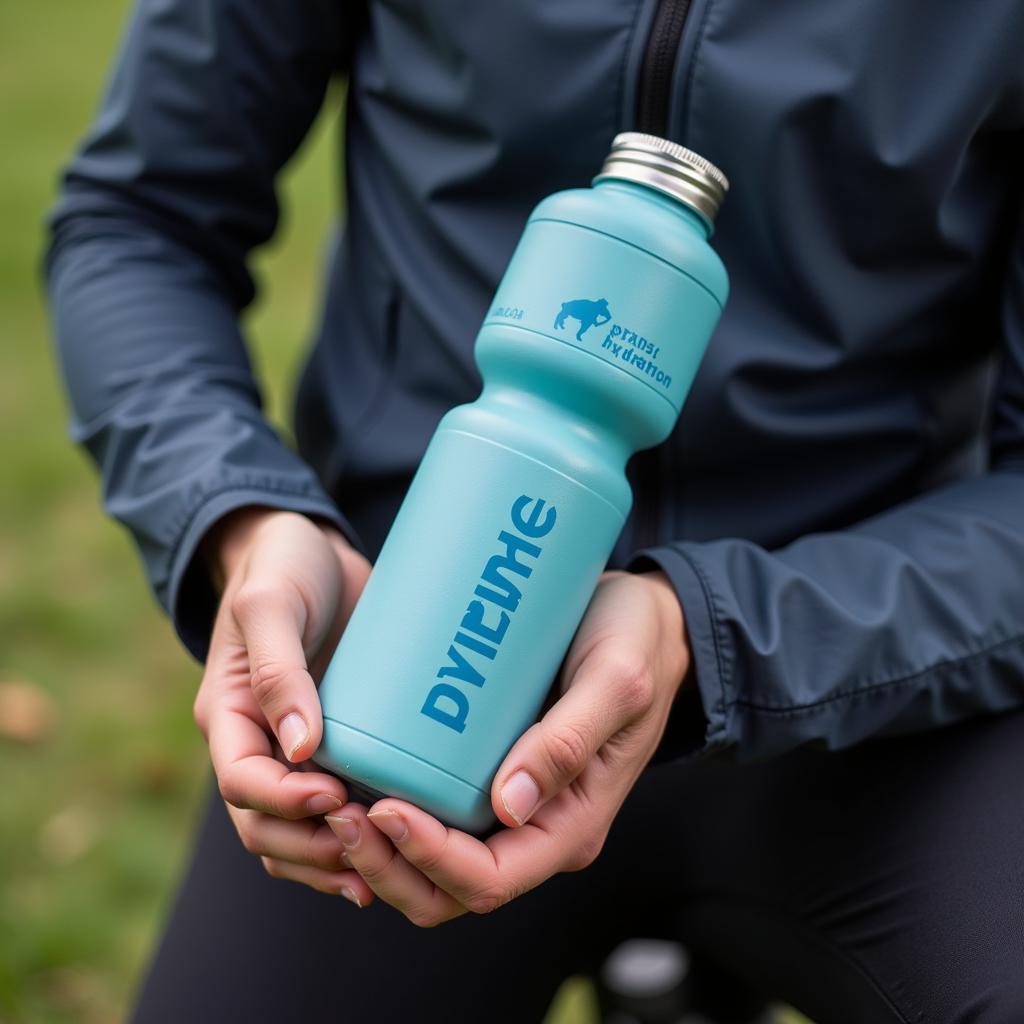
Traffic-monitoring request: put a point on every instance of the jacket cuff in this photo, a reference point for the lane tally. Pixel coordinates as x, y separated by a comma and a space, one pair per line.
700, 718
191, 597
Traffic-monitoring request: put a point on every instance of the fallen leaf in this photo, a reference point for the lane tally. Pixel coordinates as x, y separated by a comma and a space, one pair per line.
27, 713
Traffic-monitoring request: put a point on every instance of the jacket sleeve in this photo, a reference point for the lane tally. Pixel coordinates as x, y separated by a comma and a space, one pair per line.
146, 272
907, 621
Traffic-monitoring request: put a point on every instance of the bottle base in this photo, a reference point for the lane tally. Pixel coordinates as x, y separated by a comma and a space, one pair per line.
376, 769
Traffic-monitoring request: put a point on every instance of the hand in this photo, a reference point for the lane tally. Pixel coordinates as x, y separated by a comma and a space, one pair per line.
289, 587
561, 784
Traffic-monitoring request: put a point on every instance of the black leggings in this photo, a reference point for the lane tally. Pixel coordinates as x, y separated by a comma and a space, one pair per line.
884, 883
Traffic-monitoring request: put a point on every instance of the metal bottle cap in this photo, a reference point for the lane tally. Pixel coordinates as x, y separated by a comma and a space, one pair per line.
668, 167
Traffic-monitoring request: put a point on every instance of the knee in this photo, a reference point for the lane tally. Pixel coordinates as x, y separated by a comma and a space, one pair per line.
987, 989
1000, 1001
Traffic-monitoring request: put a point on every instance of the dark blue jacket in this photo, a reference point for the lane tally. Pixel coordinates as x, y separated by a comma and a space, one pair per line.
841, 508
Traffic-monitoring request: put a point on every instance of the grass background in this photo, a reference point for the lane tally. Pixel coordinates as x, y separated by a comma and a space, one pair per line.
97, 812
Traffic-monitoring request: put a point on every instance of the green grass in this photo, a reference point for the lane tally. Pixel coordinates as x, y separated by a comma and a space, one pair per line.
97, 819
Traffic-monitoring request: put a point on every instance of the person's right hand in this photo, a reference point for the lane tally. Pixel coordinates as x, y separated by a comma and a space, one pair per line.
289, 587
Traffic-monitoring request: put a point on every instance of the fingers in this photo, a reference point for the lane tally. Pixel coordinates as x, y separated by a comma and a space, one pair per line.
335, 883
250, 777
301, 851
272, 620
285, 597
309, 842
388, 874
610, 690
431, 872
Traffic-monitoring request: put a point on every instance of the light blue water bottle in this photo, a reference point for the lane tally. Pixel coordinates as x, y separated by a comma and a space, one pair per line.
587, 353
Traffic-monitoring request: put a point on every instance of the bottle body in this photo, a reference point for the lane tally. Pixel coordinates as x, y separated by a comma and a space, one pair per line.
586, 353
445, 662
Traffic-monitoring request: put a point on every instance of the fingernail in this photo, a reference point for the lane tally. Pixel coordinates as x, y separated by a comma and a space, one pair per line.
391, 823
292, 732
322, 803
346, 829
520, 795
346, 860
351, 896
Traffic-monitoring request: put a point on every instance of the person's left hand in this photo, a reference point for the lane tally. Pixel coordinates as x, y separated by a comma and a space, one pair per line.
561, 784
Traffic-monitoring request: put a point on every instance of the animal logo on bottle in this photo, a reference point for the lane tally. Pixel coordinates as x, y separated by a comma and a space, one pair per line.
589, 312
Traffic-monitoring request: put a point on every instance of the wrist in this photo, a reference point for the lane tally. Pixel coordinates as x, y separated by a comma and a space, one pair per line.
225, 544
674, 647
228, 542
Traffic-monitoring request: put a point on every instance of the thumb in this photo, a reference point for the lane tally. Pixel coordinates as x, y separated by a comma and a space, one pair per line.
272, 622
602, 698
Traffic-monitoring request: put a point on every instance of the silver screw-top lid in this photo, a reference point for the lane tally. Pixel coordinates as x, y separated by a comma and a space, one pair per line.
668, 167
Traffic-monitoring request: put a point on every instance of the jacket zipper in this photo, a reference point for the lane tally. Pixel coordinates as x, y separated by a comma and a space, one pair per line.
654, 88
654, 93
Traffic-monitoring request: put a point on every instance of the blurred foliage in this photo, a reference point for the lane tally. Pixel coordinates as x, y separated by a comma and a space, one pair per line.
103, 768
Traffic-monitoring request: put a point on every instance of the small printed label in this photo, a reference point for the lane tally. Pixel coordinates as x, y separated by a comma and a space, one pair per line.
620, 342
589, 313
634, 350
508, 312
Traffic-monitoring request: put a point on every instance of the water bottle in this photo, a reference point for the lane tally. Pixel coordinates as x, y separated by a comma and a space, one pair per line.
587, 353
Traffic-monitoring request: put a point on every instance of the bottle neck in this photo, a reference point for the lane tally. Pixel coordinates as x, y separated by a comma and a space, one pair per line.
577, 398
568, 432
690, 217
